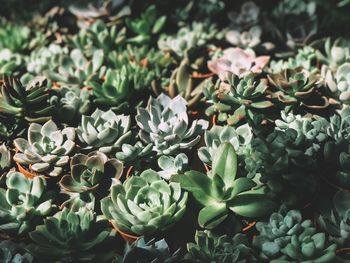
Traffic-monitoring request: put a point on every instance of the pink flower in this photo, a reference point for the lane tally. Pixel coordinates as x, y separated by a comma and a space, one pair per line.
239, 62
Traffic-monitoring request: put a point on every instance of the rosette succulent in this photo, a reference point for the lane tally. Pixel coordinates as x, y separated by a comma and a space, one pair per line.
71, 103
134, 153
221, 192
77, 70
340, 85
289, 238
47, 149
144, 204
238, 62
165, 124
212, 248
240, 96
71, 237
287, 165
91, 176
145, 27
104, 131
297, 87
24, 203
29, 102
148, 252
239, 138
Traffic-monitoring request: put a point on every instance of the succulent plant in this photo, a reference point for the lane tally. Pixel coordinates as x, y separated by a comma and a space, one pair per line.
188, 38
98, 36
115, 89
144, 204
29, 103
11, 252
340, 83
104, 131
336, 53
239, 138
334, 219
221, 192
239, 96
148, 252
47, 149
287, 167
245, 39
134, 153
24, 203
289, 238
10, 128
91, 176
165, 124
14, 37
146, 26
297, 87
212, 248
172, 165
248, 15
71, 103
45, 58
71, 237
238, 62
78, 70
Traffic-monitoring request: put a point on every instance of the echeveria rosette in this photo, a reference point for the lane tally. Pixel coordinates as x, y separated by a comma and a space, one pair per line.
24, 203
237, 98
71, 103
334, 219
91, 176
165, 124
172, 165
47, 149
28, 102
133, 154
145, 204
238, 62
239, 137
222, 193
148, 252
297, 87
70, 236
104, 131
289, 238
210, 247
287, 166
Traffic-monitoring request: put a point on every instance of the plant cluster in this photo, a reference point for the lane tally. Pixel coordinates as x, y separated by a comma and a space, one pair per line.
174, 131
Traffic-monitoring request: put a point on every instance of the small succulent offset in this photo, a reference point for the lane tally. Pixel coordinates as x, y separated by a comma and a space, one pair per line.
11, 252
212, 248
29, 102
146, 26
239, 96
47, 149
238, 62
24, 203
71, 103
145, 204
132, 154
340, 82
148, 252
239, 137
172, 165
71, 237
91, 174
335, 219
297, 87
289, 238
220, 192
104, 131
165, 124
